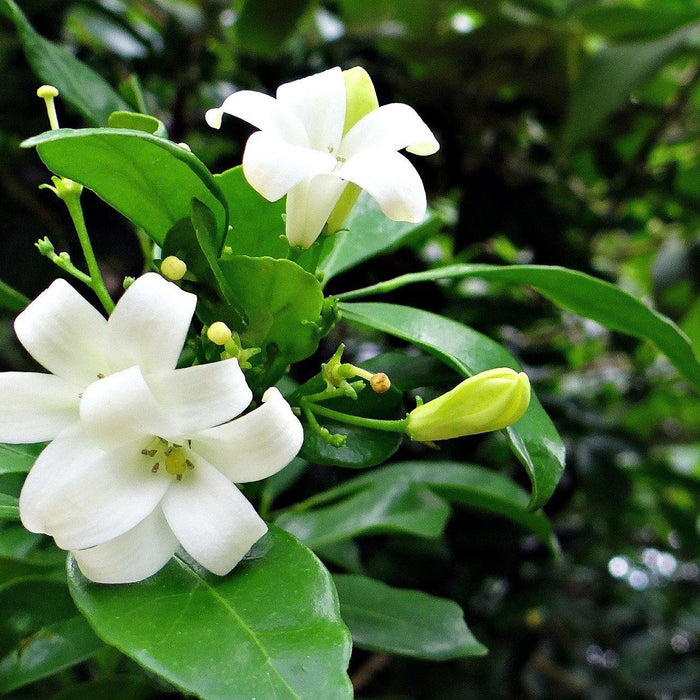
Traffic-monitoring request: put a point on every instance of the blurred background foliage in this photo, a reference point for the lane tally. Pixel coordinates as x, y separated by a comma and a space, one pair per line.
569, 133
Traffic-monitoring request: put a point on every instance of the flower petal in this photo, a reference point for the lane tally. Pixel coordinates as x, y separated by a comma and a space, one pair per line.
319, 101
149, 325
309, 205
202, 396
273, 166
256, 445
211, 518
263, 112
121, 409
391, 180
83, 496
390, 128
35, 407
133, 556
64, 333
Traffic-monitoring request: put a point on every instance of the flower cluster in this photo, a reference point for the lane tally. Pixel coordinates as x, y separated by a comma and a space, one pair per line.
143, 455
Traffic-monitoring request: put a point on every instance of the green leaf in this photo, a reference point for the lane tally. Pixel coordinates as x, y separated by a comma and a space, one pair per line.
149, 180
533, 438
24, 553
410, 509
11, 299
364, 447
9, 507
369, 233
137, 122
271, 628
117, 687
388, 500
405, 622
281, 301
257, 226
609, 76
586, 296
41, 632
79, 85
18, 459
633, 22
264, 31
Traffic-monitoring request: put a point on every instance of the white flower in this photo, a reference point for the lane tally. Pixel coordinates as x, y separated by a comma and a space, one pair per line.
301, 151
142, 458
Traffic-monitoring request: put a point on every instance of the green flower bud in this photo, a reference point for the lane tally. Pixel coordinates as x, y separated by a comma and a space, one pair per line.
490, 400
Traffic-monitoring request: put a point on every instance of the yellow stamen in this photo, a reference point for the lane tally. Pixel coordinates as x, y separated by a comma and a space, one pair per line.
219, 333
176, 463
48, 93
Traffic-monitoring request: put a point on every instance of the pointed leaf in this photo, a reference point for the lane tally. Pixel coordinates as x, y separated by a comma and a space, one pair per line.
533, 439
271, 628
11, 299
405, 622
148, 179
88, 92
580, 293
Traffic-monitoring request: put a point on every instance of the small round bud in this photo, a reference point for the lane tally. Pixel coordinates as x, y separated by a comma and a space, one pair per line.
46, 92
173, 268
380, 383
219, 333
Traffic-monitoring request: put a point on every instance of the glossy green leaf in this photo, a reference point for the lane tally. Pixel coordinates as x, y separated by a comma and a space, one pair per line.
370, 233
149, 180
79, 85
137, 122
405, 622
23, 553
281, 302
533, 438
9, 507
257, 226
264, 29
410, 509
609, 76
41, 632
388, 500
271, 628
586, 296
11, 299
364, 447
18, 459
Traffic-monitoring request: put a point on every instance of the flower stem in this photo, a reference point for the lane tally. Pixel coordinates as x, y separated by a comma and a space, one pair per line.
96, 283
390, 426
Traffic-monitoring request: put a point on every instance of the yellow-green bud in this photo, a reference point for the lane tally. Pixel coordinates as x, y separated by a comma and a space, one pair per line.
361, 99
491, 400
173, 268
219, 333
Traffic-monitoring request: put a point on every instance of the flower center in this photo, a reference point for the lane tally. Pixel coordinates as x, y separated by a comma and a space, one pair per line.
174, 457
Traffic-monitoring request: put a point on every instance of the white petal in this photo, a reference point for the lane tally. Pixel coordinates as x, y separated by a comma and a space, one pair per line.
65, 334
309, 205
83, 496
391, 180
263, 112
202, 396
390, 128
121, 409
149, 325
319, 102
35, 407
256, 445
212, 518
273, 166
133, 556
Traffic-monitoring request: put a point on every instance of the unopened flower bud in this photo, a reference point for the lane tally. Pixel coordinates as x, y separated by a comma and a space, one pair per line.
490, 400
219, 333
173, 268
380, 383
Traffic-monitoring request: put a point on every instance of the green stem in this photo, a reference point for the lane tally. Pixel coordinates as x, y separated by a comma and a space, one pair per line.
96, 283
390, 426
